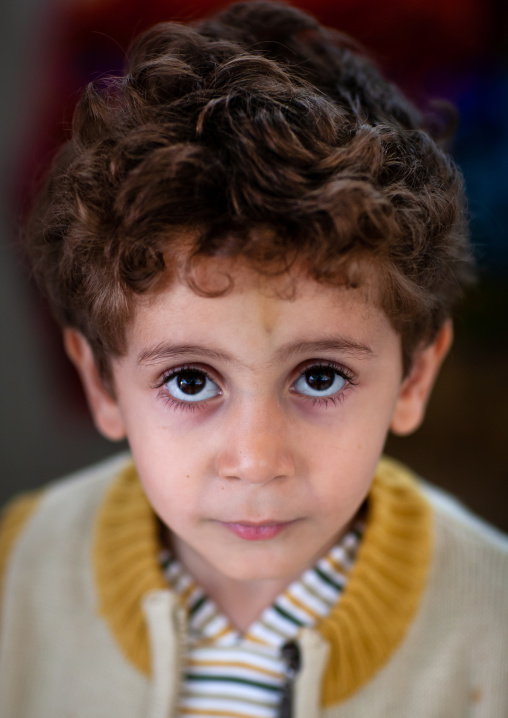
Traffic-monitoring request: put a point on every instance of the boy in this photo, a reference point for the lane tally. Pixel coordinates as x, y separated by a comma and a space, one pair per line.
253, 247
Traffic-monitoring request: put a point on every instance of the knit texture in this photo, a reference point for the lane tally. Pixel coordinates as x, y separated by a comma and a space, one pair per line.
126, 564
13, 519
385, 585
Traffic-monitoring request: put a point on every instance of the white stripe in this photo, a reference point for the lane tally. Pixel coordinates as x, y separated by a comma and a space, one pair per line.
306, 597
266, 658
327, 593
264, 633
182, 583
339, 554
229, 640
203, 614
345, 552
330, 570
272, 618
173, 573
212, 703
249, 674
284, 602
233, 691
194, 597
218, 623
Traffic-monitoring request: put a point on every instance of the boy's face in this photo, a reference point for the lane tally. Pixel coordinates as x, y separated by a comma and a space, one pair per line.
255, 421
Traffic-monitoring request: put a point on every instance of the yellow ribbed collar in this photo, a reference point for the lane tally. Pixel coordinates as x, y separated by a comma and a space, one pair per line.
384, 586
370, 620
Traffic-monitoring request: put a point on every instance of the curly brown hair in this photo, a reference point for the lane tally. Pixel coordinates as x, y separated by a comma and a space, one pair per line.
254, 134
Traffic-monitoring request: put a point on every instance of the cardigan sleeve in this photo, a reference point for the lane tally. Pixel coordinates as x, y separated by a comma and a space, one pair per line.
12, 521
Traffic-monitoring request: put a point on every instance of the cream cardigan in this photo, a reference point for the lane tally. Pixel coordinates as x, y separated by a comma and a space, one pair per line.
89, 628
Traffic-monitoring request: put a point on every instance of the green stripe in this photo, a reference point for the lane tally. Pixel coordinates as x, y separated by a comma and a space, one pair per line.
231, 679
271, 629
193, 609
327, 579
287, 615
166, 562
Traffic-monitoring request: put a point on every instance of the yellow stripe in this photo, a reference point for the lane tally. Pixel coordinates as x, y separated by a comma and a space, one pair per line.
185, 595
212, 617
337, 566
315, 591
273, 629
236, 664
221, 714
303, 606
255, 639
222, 632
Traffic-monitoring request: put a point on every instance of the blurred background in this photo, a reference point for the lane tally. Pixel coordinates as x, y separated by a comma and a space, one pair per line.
454, 49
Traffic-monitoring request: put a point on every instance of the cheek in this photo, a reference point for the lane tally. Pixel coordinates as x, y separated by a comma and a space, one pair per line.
172, 493
342, 460
169, 467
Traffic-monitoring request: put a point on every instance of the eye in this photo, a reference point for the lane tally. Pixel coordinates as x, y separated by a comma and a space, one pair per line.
320, 381
190, 385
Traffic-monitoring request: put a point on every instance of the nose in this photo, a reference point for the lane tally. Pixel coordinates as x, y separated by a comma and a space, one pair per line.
256, 447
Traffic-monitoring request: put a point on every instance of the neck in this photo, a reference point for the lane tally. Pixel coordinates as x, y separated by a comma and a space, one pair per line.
242, 601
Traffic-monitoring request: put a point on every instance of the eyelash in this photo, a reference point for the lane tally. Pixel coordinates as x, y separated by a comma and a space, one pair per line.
171, 401
349, 376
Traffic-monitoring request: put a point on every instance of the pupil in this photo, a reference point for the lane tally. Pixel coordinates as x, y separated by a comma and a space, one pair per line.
190, 382
320, 379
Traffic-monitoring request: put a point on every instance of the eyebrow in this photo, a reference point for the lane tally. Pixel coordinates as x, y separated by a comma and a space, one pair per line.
167, 351
344, 345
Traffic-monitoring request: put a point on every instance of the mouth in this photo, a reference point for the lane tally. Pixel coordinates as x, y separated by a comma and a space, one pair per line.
254, 531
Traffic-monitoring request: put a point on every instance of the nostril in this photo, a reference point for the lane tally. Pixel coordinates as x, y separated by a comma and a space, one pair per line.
255, 466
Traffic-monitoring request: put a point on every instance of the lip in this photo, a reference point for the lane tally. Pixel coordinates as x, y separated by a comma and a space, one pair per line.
256, 531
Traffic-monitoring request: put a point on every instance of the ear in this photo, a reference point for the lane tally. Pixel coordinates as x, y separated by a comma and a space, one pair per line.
416, 388
105, 410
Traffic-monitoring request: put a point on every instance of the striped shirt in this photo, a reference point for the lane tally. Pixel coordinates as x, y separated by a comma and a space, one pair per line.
228, 674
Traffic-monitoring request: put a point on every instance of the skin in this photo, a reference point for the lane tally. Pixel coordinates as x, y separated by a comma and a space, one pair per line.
257, 479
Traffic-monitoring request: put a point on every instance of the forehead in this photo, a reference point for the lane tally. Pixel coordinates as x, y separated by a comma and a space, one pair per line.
238, 306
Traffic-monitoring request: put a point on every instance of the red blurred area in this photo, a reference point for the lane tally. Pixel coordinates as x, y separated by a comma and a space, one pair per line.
88, 38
